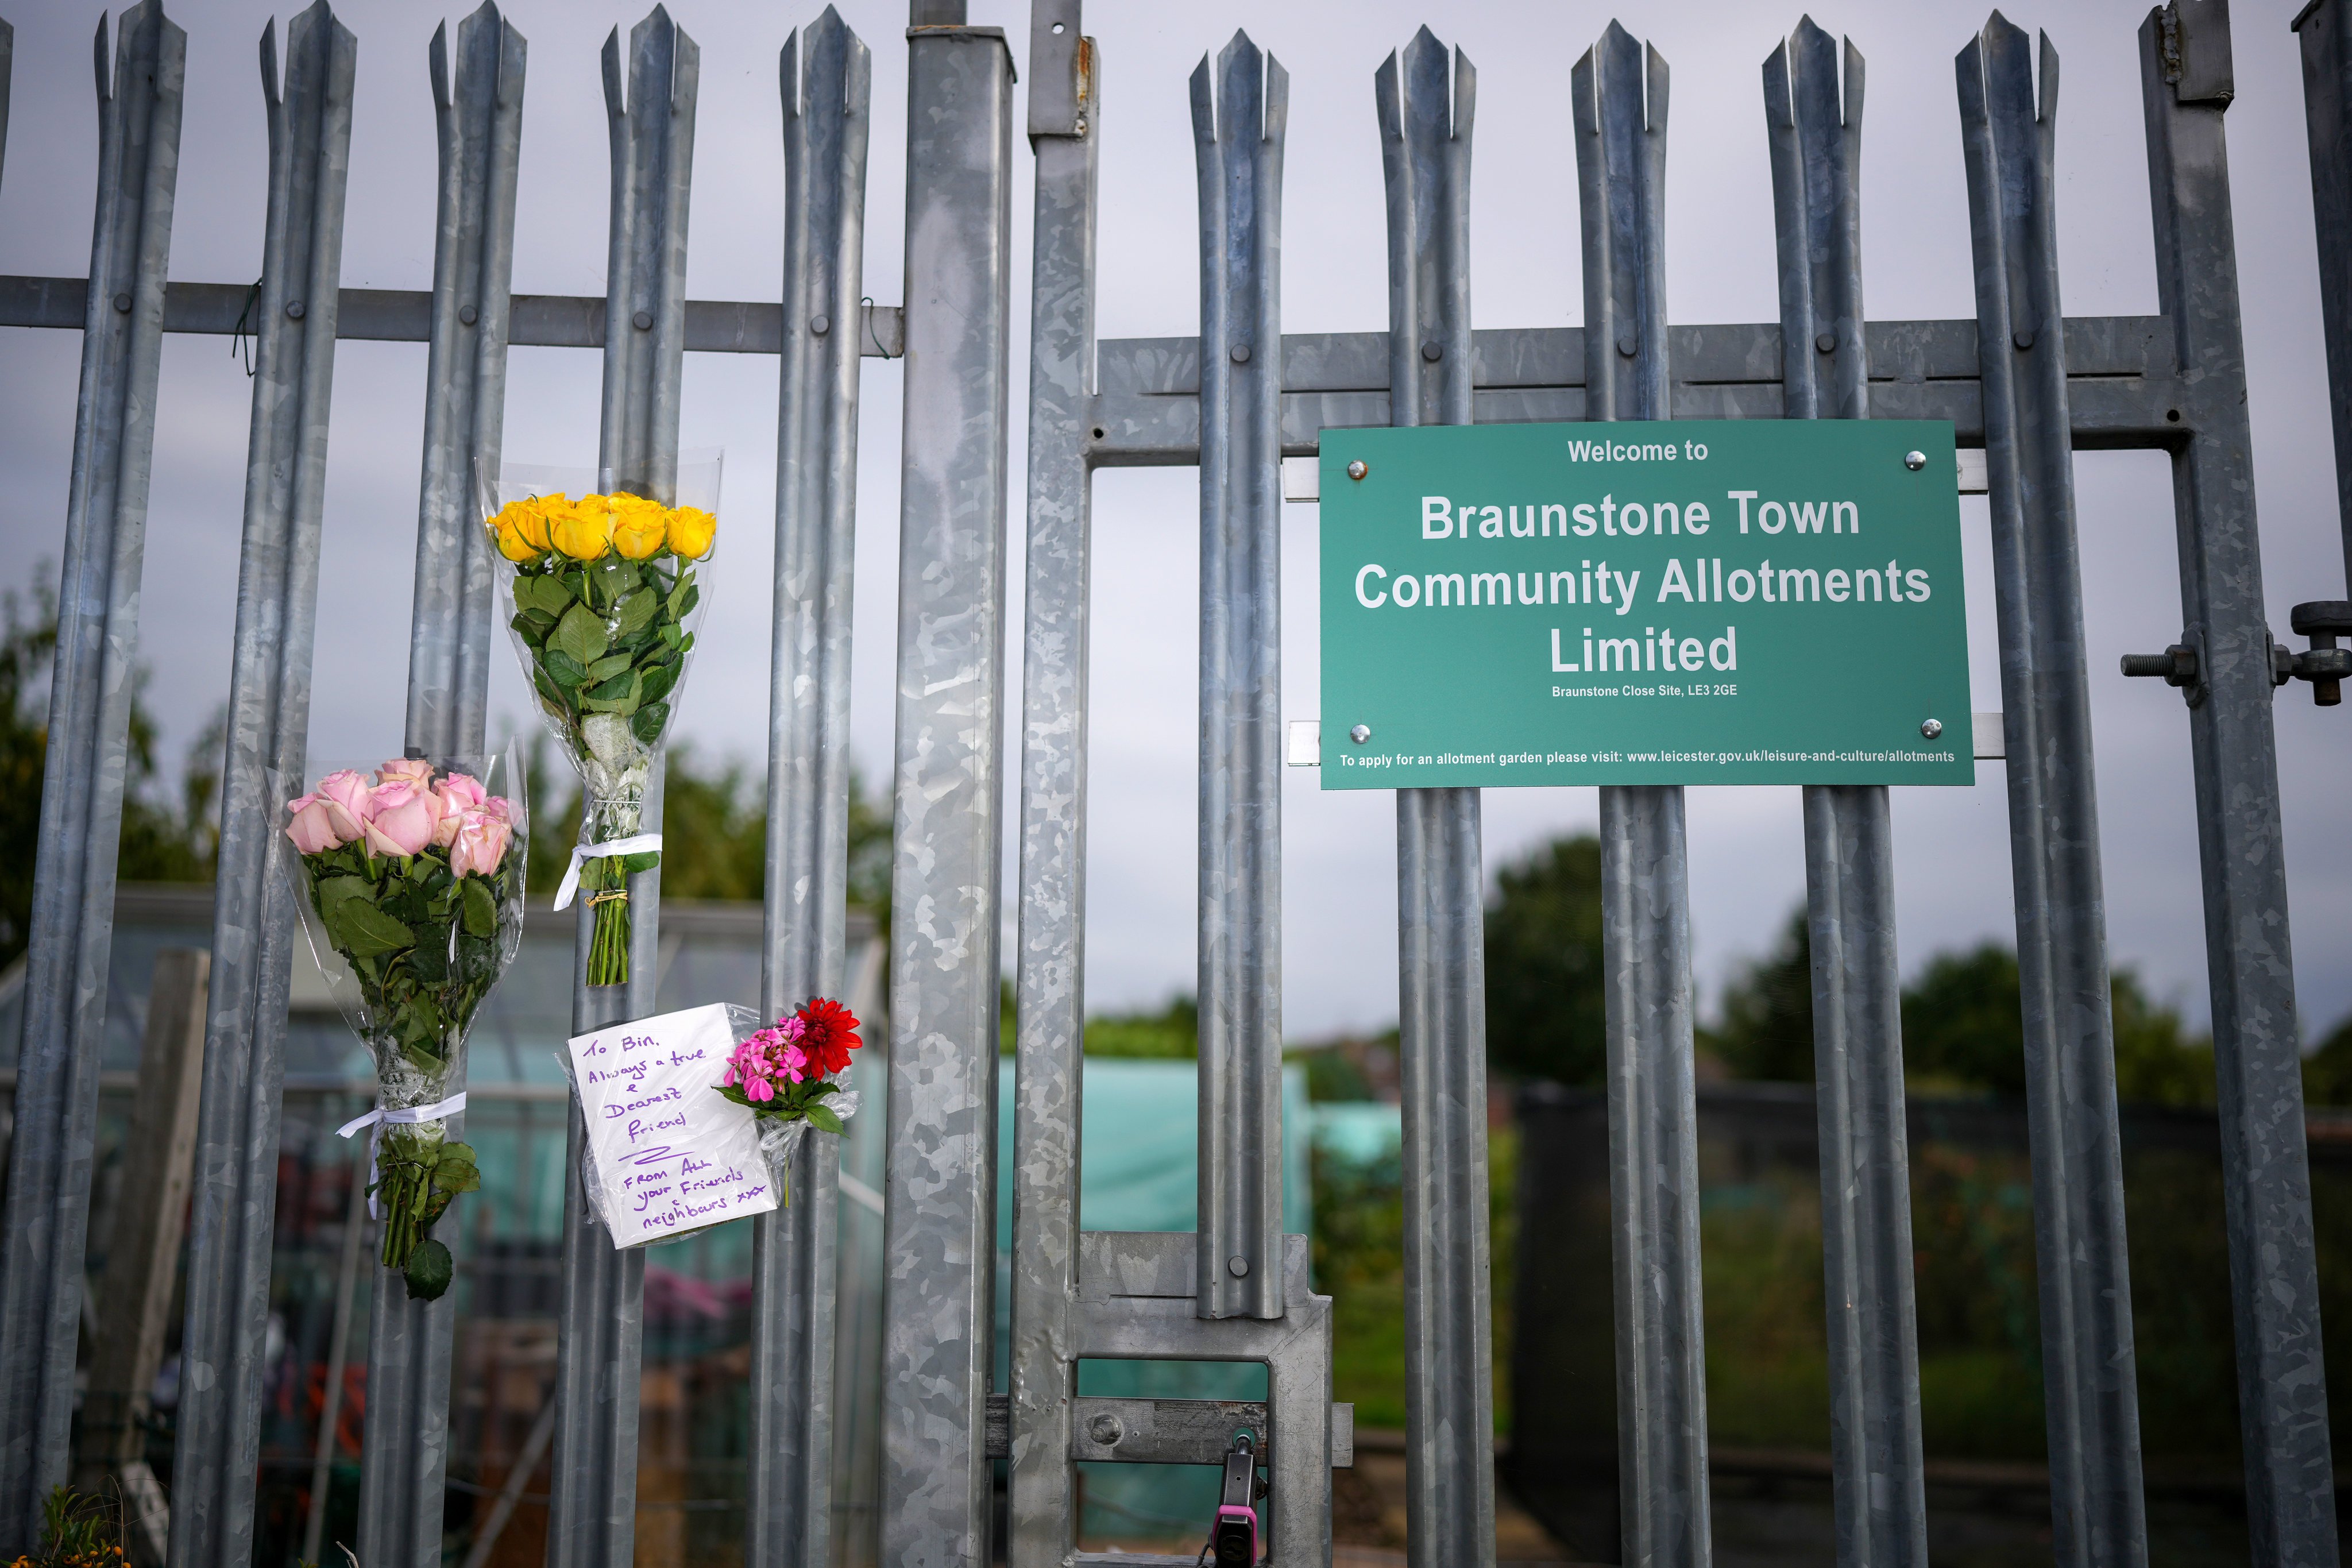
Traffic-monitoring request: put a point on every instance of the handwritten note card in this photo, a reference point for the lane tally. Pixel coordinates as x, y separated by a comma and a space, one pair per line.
673, 1156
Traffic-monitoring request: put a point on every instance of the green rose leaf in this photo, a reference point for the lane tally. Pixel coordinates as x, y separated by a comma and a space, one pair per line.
332, 891
683, 598
548, 596
429, 959
636, 611
608, 667
581, 634
618, 695
564, 669
647, 723
481, 909
455, 1171
368, 931
430, 1269
658, 681
821, 1117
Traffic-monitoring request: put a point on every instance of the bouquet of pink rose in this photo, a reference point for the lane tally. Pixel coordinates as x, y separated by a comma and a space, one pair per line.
410, 886
789, 1076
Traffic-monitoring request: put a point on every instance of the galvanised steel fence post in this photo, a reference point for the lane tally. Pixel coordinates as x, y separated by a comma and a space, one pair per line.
1239, 114
1064, 132
824, 75
478, 122
591, 1511
2325, 31
2185, 84
1619, 93
7, 60
218, 1448
1880, 1490
90, 691
2093, 1409
1426, 101
940, 1213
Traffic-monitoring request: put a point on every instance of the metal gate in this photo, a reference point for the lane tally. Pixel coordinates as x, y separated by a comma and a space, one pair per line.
2021, 381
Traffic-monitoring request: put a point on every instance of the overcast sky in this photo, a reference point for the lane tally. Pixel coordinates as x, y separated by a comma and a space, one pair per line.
1339, 892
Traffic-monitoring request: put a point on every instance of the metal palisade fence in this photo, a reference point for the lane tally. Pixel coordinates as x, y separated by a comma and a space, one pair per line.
2021, 381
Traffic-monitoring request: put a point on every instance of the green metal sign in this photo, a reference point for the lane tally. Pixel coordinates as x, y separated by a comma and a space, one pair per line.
1679, 602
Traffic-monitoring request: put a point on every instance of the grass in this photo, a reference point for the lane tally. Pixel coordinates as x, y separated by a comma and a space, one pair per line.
1360, 1263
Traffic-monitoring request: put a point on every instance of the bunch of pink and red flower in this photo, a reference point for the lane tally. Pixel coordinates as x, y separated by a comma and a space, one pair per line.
404, 810
784, 1072
415, 879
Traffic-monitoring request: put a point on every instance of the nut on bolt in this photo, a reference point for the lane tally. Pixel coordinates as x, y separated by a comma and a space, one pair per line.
1915, 460
1361, 733
1106, 1429
2322, 621
1359, 469
1931, 728
2176, 666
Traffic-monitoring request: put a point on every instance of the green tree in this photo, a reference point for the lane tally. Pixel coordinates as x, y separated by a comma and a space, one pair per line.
26, 648
162, 840
1767, 1029
1544, 974
2327, 1070
1962, 1026
1963, 1023
1172, 1034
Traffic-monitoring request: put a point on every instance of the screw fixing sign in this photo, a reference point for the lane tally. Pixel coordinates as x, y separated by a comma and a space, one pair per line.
1677, 601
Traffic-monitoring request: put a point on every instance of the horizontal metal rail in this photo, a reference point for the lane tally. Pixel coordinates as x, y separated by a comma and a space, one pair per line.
406, 316
1166, 1431
2123, 383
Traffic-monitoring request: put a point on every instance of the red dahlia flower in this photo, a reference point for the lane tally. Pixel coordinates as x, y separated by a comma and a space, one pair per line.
831, 1034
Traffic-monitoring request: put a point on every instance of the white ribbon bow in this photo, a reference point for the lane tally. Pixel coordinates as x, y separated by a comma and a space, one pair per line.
642, 843
386, 1116
407, 1117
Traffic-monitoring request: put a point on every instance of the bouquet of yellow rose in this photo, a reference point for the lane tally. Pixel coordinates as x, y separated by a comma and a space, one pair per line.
602, 601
